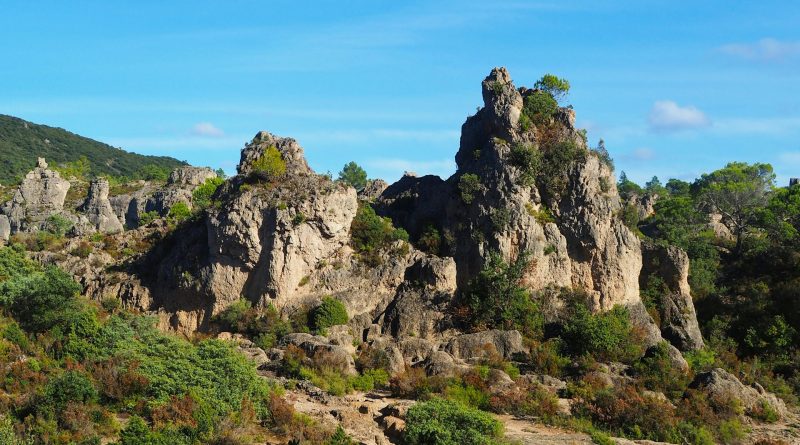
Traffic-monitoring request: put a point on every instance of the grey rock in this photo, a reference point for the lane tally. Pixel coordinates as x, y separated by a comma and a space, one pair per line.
5, 228
320, 351
439, 363
724, 386
483, 344
98, 209
40, 195
290, 150
180, 185
678, 318
372, 190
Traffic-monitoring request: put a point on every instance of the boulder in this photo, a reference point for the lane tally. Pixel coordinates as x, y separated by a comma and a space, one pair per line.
98, 210
723, 386
506, 344
180, 185
439, 363
322, 353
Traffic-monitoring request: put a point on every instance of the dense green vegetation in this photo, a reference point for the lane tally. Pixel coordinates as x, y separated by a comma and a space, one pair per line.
744, 283
442, 422
72, 372
353, 175
22, 142
371, 235
270, 166
330, 312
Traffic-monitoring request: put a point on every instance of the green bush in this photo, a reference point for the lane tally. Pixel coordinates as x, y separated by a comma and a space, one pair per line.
70, 386
538, 108
270, 166
498, 299
58, 225
14, 263
468, 185
430, 240
201, 196
371, 234
442, 422
330, 312
606, 336
339, 437
179, 212
557, 160
41, 300
353, 175
528, 158
148, 217
657, 373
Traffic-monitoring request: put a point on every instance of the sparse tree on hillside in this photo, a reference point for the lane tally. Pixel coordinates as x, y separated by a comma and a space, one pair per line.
352, 174
736, 192
556, 86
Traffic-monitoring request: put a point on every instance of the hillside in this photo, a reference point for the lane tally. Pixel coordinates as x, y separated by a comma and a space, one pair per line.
22, 142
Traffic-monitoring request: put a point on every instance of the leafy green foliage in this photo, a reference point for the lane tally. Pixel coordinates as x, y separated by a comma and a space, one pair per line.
179, 212
468, 185
41, 300
538, 108
528, 158
330, 312
270, 166
202, 195
148, 217
22, 142
442, 422
606, 336
340, 438
371, 234
70, 386
497, 297
430, 240
14, 263
353, 175
58, 225
555, 86
556, 162
628, 188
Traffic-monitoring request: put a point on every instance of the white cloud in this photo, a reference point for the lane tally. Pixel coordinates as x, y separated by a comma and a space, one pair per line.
666, 116
207, 129
765, 50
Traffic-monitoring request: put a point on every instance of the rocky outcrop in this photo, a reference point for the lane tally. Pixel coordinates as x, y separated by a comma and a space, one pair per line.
40, 195
573, 236
669, 266
506, 344
98, 210
180, 185
5, 229
723, 387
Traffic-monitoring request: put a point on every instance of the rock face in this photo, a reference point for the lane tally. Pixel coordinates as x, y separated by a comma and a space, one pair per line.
670, 265
722, 386
98, 209
5, 228
40, 195
573, 236
182, 181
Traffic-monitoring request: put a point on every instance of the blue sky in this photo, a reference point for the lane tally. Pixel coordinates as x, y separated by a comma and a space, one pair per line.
675, 88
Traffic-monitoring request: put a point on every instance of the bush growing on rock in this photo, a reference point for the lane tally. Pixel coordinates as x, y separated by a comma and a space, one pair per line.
270, 166
371, 234
179, 212
353, 175
468, 185
528, 158
201, 196
330, 312
497, 298
555, 86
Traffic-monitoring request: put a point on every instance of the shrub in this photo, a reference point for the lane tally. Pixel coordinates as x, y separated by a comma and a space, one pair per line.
468, 185
42, 300
353, 175
147, 217
430, 240
232, 316
629, 215
442, 422
270, 166
557, 159
371, 234
58, 225
70, 386
179, 212
732, 431
497, 297
538, 107
202, 195
339, 438
656, 372
14, 263
607, 336
330, 312
528, 159
82, 250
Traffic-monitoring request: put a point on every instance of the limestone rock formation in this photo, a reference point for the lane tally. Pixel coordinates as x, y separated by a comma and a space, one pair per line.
670, 265
98, 209
40, 195
5, 229
723, 386
182, 181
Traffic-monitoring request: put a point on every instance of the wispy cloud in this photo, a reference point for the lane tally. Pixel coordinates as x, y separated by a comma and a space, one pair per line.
640, 154
668, 116
764, 50
207, 129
